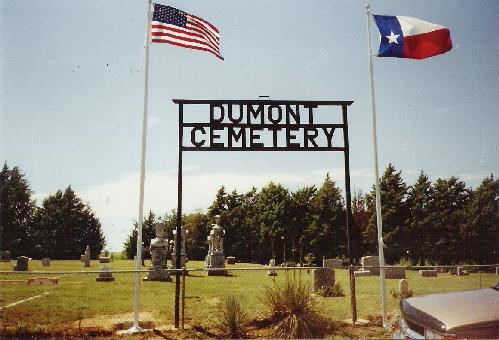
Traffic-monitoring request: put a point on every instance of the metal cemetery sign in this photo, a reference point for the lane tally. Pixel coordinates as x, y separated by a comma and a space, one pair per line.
260, 125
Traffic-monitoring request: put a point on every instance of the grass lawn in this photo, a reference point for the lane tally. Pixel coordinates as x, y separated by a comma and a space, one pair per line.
79, 297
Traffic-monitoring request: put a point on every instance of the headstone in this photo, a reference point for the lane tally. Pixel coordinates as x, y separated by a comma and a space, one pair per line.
22, 264
216, 256
323, 278
104, 259
404, 288
428, 273
332, 263
371, 263
42, 281
272, 271
106, 274
158, 270
82, 258
86, 258
361, 273
231, 260
289, 264
183, 258
5, 256
453, 271
394, 273
46, 262
497, 270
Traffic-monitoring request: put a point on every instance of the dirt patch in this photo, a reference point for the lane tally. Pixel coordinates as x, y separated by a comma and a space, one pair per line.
115, 322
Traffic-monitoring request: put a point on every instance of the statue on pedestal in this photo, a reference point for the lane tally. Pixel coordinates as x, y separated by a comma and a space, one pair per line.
158, 270
216, 257
183, 258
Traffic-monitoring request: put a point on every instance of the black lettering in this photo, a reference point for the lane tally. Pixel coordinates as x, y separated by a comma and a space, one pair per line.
212, 113
193, 136
310, 108
250, 112
290, 137
329, 136
274, 134
295, 114
254, 137
236, 136
231, 118
310, 135
214, 136
279, 111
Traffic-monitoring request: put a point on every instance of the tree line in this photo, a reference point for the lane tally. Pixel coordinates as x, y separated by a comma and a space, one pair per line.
440, 222
61, 228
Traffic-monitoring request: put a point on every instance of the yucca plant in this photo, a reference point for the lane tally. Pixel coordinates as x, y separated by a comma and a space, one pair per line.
293, 310
231, 317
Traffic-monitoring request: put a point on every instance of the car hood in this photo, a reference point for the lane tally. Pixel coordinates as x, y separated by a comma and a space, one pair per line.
454, 309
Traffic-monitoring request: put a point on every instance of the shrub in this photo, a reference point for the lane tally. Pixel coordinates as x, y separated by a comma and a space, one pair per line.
231, 317
293, 310
335, 290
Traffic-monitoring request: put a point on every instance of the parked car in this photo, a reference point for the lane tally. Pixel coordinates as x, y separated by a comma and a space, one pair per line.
467, 314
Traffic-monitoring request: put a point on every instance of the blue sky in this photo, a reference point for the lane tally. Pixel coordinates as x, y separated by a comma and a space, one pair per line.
72, 82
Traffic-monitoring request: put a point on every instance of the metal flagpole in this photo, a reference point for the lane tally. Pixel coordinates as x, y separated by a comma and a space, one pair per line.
135, 328
376, 175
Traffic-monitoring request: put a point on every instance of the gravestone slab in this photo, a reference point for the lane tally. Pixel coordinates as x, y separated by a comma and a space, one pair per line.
5, 256
453, 271
323, 278
46, 262
22, 264
104, 259
497, 270
106, 274
462, 272
216, 257
158, 270
428, 273
332, 263
231, 260
394, 273
370, 261
361, 273
39, 281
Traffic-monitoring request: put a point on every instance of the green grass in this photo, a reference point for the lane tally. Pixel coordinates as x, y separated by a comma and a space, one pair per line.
79, 296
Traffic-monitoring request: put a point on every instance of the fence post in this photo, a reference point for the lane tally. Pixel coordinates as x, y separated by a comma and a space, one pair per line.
183, 295
352, 294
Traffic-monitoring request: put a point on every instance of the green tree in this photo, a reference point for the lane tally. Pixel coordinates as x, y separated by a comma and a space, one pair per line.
483, 223
197, 225
360, 218
327, 232
302, 215
272, 207
394, 214
65, 226
148, 233
447, 220
418, 228
16, 212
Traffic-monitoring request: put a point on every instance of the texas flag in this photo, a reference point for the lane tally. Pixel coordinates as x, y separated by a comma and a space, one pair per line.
405, 37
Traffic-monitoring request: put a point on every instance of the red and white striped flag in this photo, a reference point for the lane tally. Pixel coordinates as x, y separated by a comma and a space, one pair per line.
173, 26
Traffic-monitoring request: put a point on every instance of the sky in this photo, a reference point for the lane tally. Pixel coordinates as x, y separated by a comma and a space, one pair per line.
72, 96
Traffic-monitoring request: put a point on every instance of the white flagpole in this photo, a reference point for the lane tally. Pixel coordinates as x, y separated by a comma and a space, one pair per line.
135, 328
376, 176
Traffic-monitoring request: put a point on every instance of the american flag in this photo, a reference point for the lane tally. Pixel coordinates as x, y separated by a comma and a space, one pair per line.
173, 26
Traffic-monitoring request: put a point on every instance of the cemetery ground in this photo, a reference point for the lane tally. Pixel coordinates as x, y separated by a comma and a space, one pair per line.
79, 305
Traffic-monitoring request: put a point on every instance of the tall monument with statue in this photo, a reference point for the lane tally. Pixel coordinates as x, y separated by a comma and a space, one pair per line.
183, 258
216, 257
158, 270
